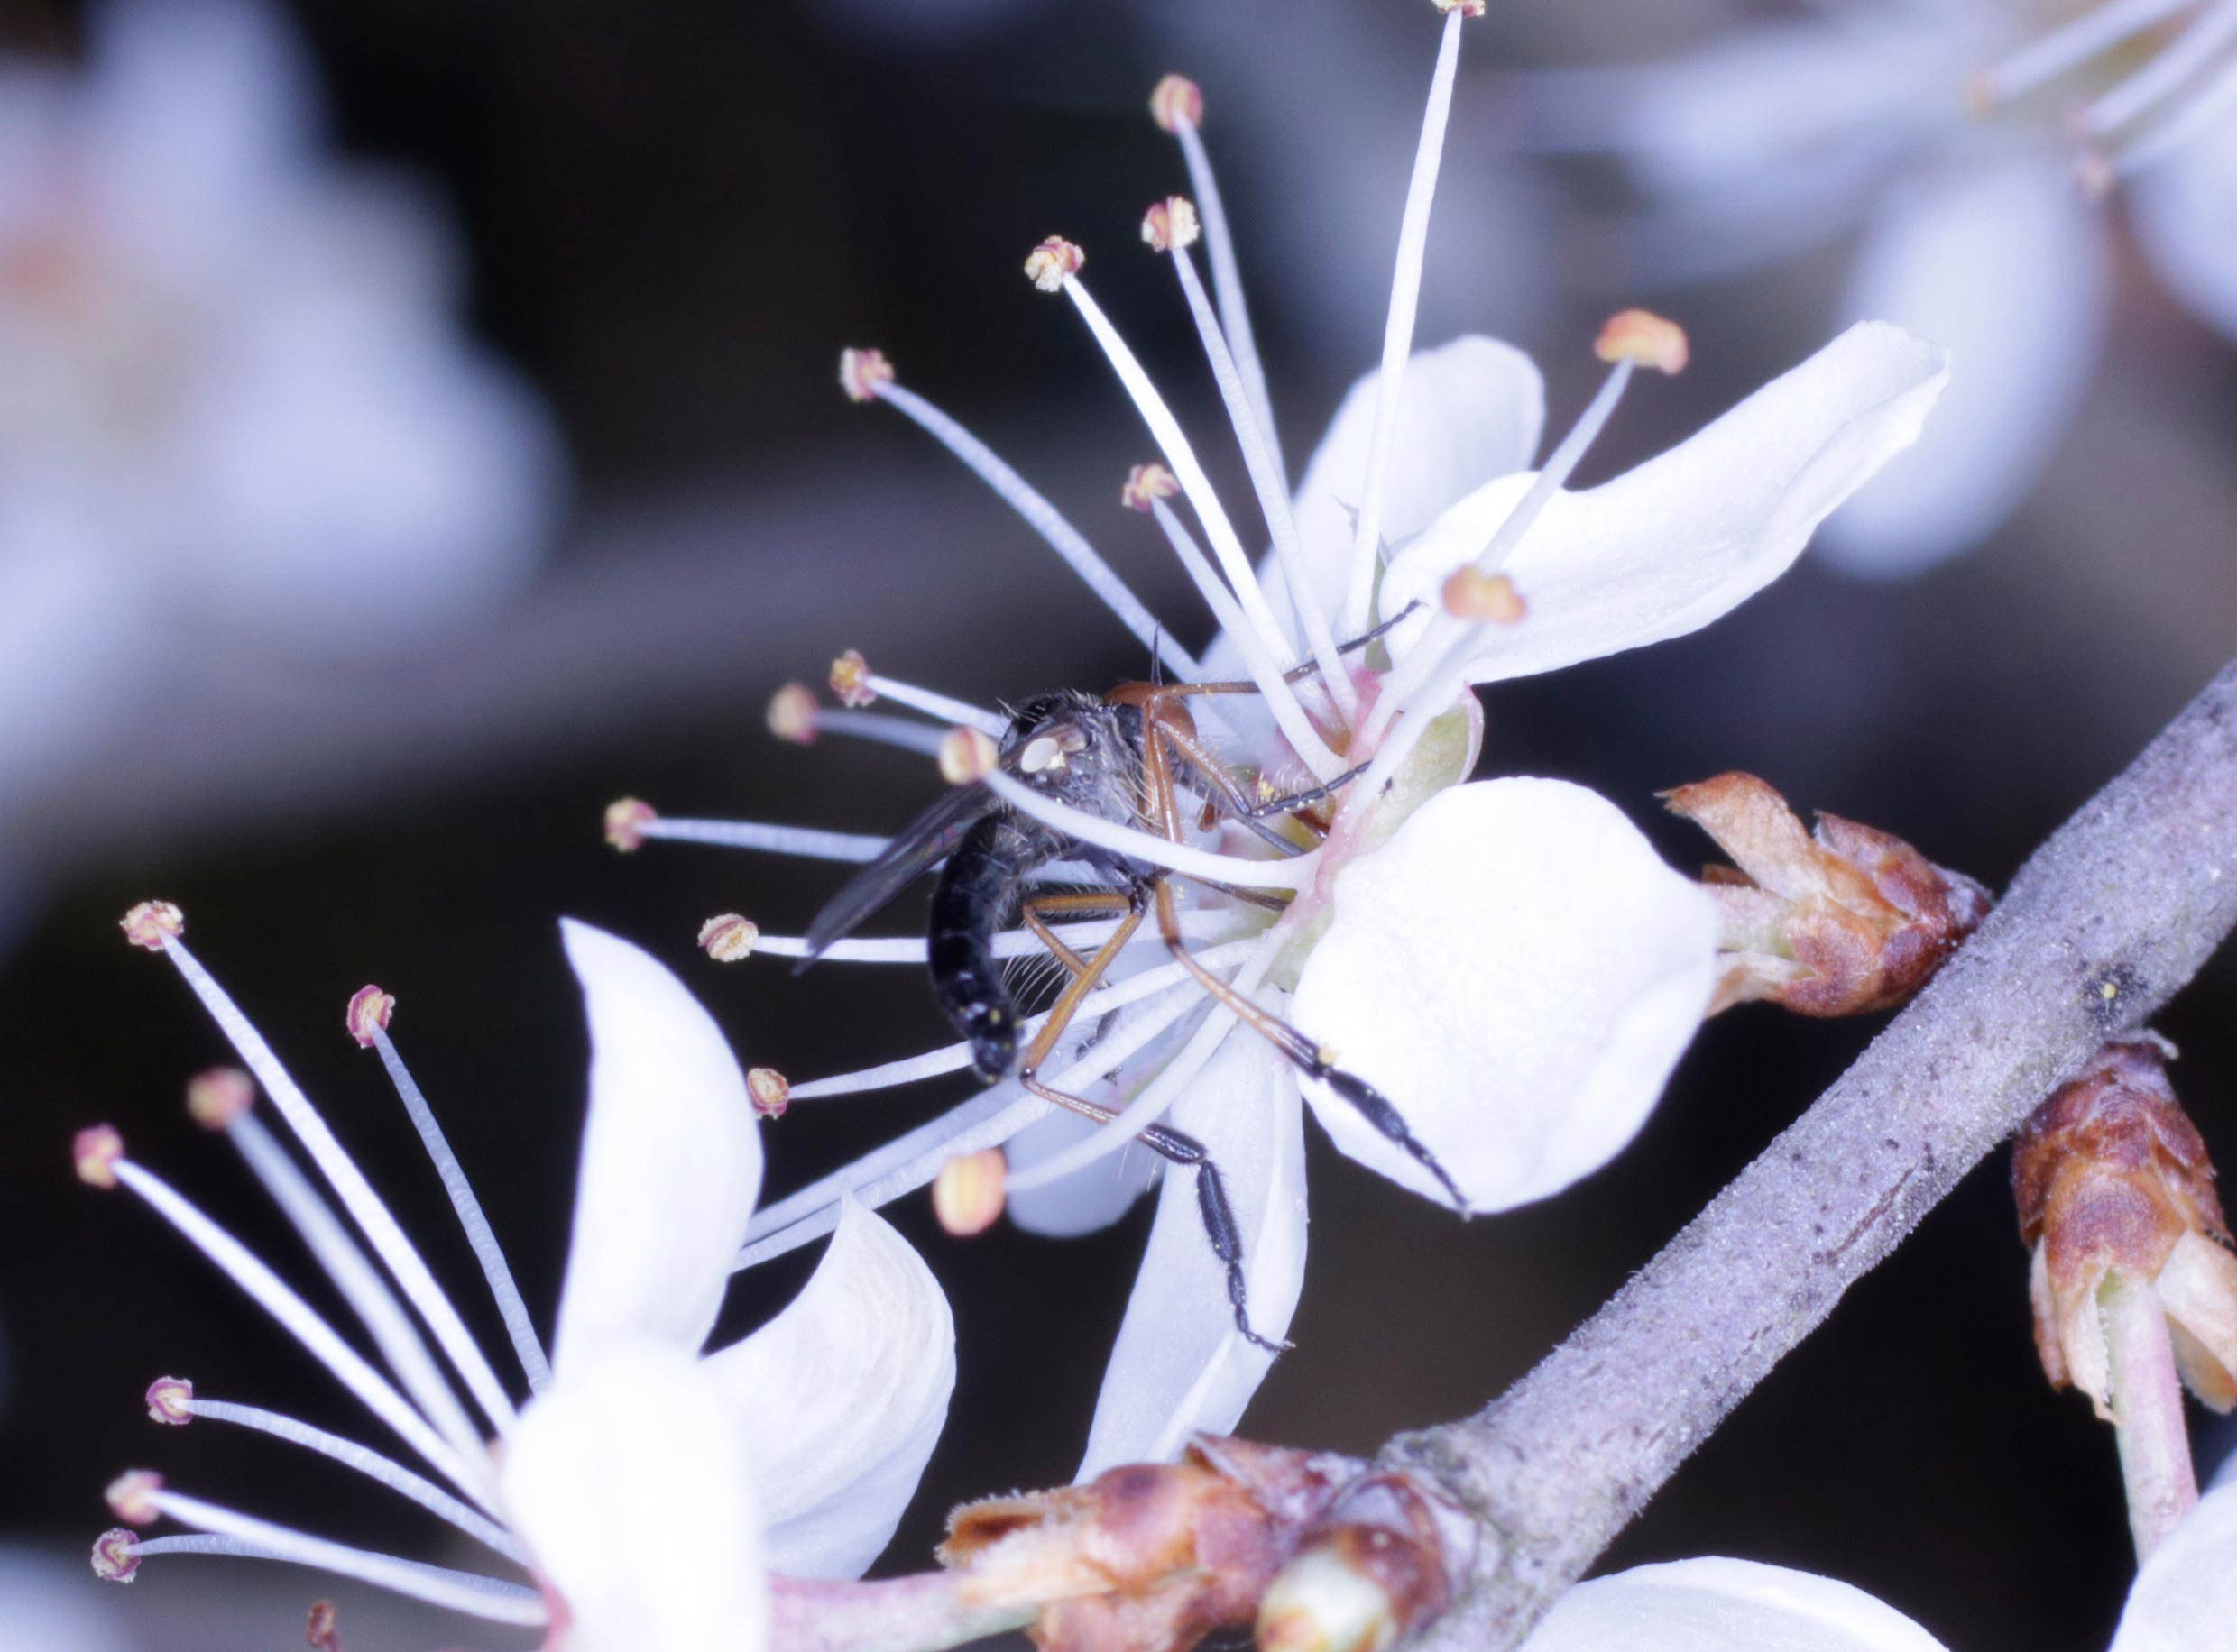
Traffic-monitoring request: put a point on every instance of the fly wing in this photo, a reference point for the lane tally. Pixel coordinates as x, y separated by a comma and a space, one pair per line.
931, 837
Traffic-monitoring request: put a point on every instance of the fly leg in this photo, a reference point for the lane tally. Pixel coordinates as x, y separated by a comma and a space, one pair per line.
1297, 674
1035, 912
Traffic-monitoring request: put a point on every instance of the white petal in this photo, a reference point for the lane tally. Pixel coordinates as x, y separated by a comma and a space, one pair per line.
1089, 1200
632, 1483
2185, 1600
1517, 972
1714, 1605
2004, 262
1180, 1365
671, 1159
844, 1394
1688, 535
2185, 210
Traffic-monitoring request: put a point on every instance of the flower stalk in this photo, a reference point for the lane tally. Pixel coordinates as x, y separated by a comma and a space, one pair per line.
2147, 1410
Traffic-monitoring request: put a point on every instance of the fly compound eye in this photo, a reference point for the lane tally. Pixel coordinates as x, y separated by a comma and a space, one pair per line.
1043, 753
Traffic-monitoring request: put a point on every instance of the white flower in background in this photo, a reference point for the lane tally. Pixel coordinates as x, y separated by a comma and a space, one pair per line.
1507, 962
1962, 138
1716, 1605
648, 1488
236, 411
2185, 1596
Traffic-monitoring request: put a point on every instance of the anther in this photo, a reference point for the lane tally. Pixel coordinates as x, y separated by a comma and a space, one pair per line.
171, 1401
131, 1496
1642, 336
849, 680
1467, 8
1481, 598
770, 1089
96, 1151
216, 1097
1146, 484
626, 820
368, 1014
793, 713
728, 937
968, 1195
966, 755
862, 374
117, 1556
152, 924
322, 1630
1054, 261
1170, 224
1177, 101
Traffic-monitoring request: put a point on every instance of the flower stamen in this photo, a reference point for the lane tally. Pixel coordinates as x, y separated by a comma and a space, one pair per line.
857, 686
803, 842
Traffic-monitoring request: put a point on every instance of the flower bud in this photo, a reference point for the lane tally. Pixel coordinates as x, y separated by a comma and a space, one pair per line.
2111, 1177
1835, 922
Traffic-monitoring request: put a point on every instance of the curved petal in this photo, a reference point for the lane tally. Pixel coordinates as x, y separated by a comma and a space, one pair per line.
1092, 1196
844, 1393
2185, 210
1688, 535
2185, 1598
2000, 261
1714, 1605
1180, 1365
631, 1482
1517, 972
671, 1159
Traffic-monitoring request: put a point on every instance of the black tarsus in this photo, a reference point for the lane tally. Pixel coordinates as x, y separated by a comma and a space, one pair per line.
1375, 1106
1219, 1219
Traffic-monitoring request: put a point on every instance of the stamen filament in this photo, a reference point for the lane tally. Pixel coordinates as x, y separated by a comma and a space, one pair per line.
1227, 280
1405, 296
354, 1275
2184, 127
300, 1321
1265, 476
2063, 49
492, 1599
2184, 58
480, 1235
1044, 518
367, 1461
806, 842
1280, 700
373, 1217
880, 728
938, 706
1294, 873
1178, 455
1009, 943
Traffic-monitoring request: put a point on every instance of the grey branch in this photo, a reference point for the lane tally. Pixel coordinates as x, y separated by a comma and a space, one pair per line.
2107, 920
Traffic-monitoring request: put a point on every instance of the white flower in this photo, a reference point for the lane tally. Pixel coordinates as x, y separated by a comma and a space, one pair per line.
236, 412
648, 1487
1949, 134
2185, 1596
1716, 1605
1507, 962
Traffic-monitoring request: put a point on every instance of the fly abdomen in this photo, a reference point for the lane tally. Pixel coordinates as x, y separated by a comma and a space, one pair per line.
971, 900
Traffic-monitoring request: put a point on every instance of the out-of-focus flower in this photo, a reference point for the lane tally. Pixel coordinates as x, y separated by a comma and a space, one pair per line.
1719, 1605
236, 411
1961, 138
648, 1488
2185, 1596
1479, 988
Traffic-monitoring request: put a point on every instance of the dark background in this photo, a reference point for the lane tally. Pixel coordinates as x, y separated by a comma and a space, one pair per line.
677, 214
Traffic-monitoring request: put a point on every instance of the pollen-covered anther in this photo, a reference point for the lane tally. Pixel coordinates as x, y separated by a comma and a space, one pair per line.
849, 680
1467, 8
1644, 337
131, 1496
1146, 484
116, 1554
626, 820
95, 1151
1838, 921
969, 1193
771, 1091
1177, 101
1482, 599
1053, 262
862, 374
368, 1013
729, 937
218, 1095
1170, 224
152, 924
967, 754
171, 1401
322, 1630
2111, 1178
793, 714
